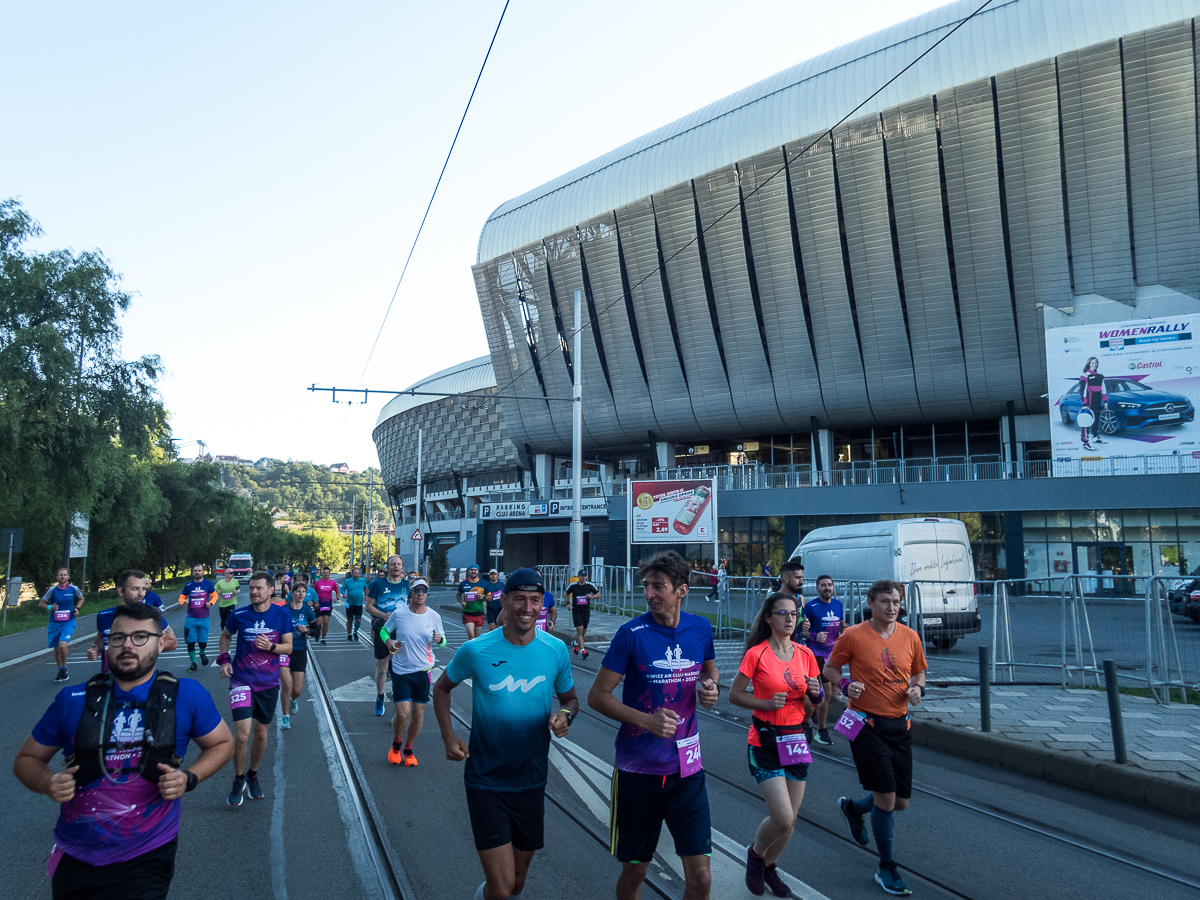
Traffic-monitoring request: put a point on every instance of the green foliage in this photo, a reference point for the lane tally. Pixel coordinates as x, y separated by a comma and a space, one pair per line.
439, 568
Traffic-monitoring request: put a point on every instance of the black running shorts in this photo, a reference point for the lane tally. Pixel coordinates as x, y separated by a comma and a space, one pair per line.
508, 817
642, 803
883, 756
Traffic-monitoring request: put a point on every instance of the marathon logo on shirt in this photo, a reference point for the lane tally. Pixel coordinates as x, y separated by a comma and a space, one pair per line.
677, 668
127, 732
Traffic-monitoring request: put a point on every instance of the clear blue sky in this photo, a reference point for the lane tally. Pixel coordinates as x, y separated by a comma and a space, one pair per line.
257, 172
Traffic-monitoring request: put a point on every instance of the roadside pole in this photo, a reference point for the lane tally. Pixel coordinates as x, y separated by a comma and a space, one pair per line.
353, 506
418, 545
577, 445
370, 497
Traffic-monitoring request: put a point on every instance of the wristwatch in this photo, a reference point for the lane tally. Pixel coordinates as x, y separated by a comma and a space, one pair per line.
921, 688
570, 717
192, 780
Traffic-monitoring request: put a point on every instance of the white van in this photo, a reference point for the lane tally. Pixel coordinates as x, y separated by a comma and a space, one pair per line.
904, 550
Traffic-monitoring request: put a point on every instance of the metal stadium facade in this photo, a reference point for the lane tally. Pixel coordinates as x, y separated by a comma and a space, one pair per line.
805, 301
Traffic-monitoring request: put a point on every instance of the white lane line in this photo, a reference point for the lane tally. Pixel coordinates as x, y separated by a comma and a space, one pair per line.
278, 855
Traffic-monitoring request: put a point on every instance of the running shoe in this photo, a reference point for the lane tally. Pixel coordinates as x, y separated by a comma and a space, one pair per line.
322, 642
823, 737
858, 827
193, 667
395, 754
410, 759
755, 868
285, 721
62, 675
774, 883
253, 788
1098, 440
583, 654
235, 795
379, 706
888, 878
295, 708
203, 659
575, 646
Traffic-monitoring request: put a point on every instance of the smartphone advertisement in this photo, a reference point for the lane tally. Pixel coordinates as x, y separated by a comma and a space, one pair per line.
1124, 389
673, 512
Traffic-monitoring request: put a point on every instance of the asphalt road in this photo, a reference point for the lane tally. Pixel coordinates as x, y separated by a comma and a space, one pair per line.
972, 831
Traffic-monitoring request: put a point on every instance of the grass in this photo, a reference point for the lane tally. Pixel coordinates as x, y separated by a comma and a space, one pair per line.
1176, 695
29, 616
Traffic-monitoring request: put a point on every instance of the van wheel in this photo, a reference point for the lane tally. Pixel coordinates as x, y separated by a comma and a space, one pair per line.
945, 641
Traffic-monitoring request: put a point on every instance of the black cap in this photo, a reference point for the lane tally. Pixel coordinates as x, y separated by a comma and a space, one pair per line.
583, 573
524, 580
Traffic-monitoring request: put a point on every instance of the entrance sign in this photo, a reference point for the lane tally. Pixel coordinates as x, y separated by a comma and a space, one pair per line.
673, 512
1149, 370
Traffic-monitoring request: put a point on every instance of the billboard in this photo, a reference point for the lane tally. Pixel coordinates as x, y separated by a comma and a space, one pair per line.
1123, 389
673, 512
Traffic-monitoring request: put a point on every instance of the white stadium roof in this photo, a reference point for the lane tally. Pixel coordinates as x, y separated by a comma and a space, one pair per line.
813, 95
472, 375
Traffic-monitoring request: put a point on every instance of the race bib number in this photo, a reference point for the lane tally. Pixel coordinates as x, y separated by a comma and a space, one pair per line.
227, 596
197, 603
850, 724
581, 600
793, 749
239, 696
325, 607
689, 756
62, 615
284, 660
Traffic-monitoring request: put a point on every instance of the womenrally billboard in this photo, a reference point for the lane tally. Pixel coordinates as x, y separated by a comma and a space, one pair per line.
673, 512
1123, 389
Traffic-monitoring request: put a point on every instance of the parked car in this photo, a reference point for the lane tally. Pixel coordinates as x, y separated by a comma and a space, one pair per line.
1132, 405
1183, 596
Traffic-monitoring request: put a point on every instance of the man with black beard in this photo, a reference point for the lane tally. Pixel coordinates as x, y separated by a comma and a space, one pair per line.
123, 752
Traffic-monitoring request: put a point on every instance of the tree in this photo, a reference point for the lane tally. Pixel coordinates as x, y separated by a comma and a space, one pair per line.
439, 568
74, 415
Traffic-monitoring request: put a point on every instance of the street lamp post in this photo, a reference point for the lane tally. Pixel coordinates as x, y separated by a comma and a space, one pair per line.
577, 443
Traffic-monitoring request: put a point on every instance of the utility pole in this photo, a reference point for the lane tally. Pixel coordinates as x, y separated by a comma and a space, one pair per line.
577, 443
420, 504
353, 501
367, 539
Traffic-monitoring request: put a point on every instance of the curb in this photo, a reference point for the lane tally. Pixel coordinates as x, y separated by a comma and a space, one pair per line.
1167, 793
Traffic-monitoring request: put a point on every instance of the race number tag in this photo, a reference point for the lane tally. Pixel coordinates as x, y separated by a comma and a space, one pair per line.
850, 724
284, 660
197, 603
239, 696
793, 749
62, 615
689, 756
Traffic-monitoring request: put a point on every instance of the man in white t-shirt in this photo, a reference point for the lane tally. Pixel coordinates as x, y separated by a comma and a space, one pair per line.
410, 634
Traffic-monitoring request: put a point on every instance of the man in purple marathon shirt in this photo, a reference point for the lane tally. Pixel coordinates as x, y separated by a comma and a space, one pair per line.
118, 825
132, 589
668, 662
264, 633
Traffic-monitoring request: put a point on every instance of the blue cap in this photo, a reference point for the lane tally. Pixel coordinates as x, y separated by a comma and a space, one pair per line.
524, 580
583, 573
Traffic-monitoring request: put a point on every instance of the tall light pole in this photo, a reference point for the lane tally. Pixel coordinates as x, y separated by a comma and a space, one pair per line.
420, 506
577, 443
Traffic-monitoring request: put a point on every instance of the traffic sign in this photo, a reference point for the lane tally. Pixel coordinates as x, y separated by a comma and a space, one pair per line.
496, 551
417, 535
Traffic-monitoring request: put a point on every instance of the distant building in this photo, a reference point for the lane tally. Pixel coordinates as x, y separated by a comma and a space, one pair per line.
264, 462
340, 468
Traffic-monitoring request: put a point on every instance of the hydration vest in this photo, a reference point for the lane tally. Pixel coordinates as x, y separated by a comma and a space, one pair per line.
93, 736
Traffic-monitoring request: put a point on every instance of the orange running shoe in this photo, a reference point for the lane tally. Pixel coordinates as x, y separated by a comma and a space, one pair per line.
409, 758
395, 755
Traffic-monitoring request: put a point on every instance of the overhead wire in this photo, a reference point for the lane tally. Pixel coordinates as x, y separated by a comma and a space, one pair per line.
429, 206
624, 295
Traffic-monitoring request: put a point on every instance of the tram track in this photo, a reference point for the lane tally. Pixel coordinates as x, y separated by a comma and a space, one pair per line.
1041, 829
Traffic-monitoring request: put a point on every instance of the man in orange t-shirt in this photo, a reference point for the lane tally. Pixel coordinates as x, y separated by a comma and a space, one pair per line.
887, 675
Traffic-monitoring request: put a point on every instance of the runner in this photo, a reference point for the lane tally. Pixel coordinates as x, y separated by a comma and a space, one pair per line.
118, 827
264, 633
354, 588
198, 595
667, 659
64, 601
825, 617
779, 673
132, 585
519, 677
410, 634
227, 595
581, 595
492, 608
471, 593
887, 675
327, 595
384, 596
291, 673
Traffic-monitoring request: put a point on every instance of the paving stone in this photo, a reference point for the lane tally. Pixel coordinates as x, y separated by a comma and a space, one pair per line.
1043, 723
1074, 738
1170, 734
1096, 719
1164, 757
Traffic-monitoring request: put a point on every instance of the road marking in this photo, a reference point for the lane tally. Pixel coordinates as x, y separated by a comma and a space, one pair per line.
278, 856
588, 777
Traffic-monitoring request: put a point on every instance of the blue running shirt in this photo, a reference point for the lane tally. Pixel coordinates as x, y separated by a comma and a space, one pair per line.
661, 667
387, 595
823, 618
513, 695
353, 590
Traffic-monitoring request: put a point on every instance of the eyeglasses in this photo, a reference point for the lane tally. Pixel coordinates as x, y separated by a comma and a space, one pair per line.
420, 590
137, 638
784, 614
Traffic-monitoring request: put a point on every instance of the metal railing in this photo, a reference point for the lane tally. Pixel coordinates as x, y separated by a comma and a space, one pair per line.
755, 476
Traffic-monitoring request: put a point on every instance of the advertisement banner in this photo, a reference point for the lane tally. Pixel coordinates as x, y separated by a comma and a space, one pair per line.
1123, 389
673, 512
